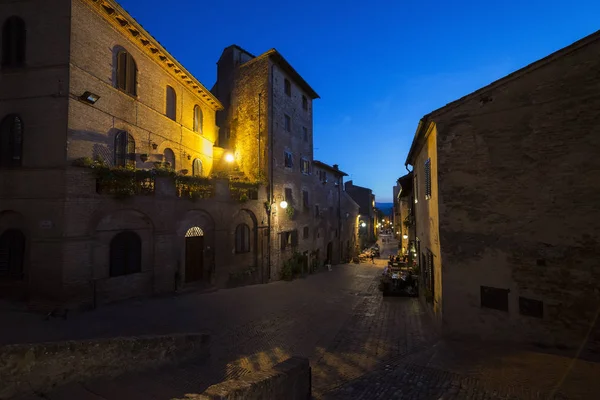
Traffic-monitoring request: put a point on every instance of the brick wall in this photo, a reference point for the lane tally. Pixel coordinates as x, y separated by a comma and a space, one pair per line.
519, 192
31, 196
92, 129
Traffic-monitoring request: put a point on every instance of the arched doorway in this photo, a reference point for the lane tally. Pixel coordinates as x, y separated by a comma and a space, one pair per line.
12, 252
194, 255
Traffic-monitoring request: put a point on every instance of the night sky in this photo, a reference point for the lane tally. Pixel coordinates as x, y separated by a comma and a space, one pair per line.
378, 66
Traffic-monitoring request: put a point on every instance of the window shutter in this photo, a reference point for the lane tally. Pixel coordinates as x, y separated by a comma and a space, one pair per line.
131, 72
122, 70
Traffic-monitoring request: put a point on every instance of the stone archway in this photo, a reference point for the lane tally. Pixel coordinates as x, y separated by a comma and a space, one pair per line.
194, 256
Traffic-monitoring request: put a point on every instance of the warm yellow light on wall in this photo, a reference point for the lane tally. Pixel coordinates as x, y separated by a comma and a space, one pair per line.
229, 157
283, 204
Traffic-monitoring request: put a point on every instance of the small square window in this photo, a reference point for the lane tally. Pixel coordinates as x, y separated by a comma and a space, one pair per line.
289, 162
304, 103
531, 307
288, 123
287, 87
305, 134
494, 298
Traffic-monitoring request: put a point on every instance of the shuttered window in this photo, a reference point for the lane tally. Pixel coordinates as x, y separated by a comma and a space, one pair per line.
428, 179
126, 73
198, 119
125, 254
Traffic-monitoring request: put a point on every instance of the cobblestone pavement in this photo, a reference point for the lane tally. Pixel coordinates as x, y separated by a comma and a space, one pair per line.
459, 370
337, 319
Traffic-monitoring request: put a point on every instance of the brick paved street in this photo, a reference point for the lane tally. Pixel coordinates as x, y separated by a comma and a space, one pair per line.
361, 345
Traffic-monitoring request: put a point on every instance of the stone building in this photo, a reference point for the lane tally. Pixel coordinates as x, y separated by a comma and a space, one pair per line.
403, 202
506, 186
82, 80
267, 123
365, 198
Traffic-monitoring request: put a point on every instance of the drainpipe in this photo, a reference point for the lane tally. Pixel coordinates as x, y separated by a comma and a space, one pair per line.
271, 141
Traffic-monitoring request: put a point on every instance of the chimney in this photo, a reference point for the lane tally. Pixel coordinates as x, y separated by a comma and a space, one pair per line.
335, 166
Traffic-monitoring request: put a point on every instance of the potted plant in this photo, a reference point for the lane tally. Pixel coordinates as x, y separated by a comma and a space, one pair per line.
144, 157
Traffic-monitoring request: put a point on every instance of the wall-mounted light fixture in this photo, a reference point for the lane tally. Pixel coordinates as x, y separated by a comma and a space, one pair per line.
405, 236
283, 204
89, 97
229, 157
154, 146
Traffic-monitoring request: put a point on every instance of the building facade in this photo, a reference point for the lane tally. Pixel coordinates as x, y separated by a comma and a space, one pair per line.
92, 108
506, 194
267, 122
365, 198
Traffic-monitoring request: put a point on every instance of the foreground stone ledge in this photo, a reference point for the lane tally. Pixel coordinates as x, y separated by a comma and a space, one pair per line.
40, 367
289, 380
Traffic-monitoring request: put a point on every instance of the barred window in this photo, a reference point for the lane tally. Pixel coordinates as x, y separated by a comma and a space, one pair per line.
124, 149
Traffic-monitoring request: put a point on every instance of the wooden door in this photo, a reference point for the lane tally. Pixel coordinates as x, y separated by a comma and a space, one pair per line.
194, 258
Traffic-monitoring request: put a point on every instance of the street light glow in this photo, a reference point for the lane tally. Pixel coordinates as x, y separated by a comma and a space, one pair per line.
283, 204
363, 224
229, 157
405, 236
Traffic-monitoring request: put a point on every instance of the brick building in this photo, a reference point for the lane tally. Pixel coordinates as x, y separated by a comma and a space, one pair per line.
267, 122
506, 185
82, 80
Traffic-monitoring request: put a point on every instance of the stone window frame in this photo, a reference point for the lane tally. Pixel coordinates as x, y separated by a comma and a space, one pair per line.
14, 42
11, 141
125, 71
304, 103
125, 245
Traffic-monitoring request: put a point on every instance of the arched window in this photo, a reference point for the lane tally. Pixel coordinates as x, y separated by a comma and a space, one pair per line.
13, 42
12, 252
197, 167
242, 238
11, 141
169, 158
171, 103
126, 73
198, 119
125, 254
124, 150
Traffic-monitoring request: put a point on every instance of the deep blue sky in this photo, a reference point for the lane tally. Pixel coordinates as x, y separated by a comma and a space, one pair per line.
378, 66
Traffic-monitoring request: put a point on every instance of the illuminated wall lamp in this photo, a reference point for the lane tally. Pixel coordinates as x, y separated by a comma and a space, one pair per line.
229, 157
89, 97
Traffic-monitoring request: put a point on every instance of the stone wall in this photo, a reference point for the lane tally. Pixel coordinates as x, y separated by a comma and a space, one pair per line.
289, 380
519, 184
40, 367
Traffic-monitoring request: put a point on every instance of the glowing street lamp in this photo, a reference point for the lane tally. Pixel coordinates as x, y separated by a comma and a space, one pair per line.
363, 224
283, 204
404, 236
229, 157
